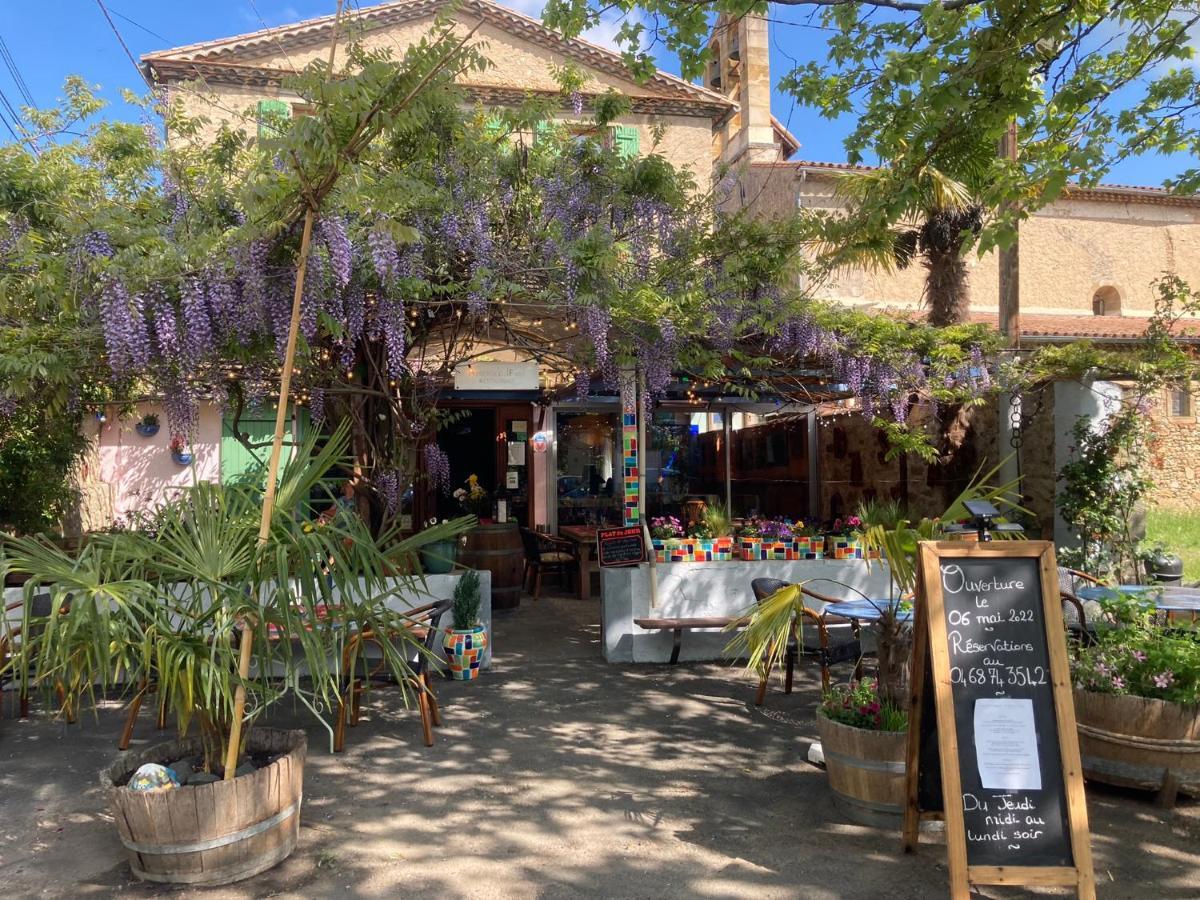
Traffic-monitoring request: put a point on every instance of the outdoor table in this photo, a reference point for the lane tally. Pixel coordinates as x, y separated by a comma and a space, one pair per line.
867, 610
1168, 599
584, 536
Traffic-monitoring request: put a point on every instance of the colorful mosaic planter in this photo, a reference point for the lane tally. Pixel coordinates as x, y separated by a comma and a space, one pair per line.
464, 652
838, 546
714, 550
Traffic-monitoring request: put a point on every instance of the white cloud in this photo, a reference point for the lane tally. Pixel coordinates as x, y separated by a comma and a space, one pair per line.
604, 34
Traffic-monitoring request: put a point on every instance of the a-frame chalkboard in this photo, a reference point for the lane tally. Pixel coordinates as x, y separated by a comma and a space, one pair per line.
991, 708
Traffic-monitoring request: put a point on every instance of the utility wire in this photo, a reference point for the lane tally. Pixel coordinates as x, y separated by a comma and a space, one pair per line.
10, 128
124, 46
15, 71
153, 34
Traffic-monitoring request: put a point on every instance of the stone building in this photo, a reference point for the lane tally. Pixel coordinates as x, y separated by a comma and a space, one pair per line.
1088, 263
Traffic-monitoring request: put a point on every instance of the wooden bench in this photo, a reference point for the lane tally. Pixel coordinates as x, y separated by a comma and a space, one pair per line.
679, 626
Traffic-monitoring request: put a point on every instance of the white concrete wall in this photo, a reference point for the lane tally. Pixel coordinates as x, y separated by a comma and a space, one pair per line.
694, 590
1098, 400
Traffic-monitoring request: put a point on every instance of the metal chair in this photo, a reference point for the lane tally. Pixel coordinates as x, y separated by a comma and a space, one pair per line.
423, 623
33, 618
546, 553
840, 645
1076, 611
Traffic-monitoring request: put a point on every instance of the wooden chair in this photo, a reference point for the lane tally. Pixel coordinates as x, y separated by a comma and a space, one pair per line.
11, 637
546, 553
422, 623
835, 642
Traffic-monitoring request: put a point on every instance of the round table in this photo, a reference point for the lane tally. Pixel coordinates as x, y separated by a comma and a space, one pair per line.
1165, 598
866, 610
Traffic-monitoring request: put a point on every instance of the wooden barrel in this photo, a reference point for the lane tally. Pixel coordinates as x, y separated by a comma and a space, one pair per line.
866, 772
1140, 743
211, 833
498, 549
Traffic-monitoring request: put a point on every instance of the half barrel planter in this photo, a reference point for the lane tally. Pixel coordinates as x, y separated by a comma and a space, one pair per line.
1139, 742
866, 772
210, 834
464, 651
498, 549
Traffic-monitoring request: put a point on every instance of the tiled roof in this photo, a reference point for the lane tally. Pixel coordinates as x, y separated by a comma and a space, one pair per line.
315, 31
1098, 328
1046, 327
1121, 193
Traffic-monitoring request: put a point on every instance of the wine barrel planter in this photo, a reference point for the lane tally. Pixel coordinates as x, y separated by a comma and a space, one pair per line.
866, 772
1140, 743
211, 833
498, 549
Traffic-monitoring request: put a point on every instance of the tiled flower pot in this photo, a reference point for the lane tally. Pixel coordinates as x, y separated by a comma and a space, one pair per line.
713, 549
840, 546
669, 550
748, 548
464, 651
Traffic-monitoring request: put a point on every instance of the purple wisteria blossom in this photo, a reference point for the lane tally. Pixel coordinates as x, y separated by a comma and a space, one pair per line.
437, 465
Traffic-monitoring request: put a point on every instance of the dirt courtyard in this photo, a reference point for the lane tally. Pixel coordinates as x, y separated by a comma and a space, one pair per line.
555, 775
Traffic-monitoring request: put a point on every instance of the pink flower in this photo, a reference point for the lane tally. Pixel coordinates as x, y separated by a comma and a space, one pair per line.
1164, 679
1139, 655
1118, 682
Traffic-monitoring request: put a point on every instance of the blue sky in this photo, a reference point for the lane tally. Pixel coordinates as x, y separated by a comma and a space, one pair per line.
51, 39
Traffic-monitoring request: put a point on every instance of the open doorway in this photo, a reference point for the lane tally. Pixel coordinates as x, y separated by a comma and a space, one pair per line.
470, 443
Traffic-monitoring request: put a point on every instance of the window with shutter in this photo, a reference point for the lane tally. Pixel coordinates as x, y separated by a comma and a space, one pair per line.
543, 130
627, 140
270, 114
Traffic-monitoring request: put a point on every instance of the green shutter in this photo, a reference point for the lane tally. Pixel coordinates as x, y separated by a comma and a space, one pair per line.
543, 130
627, 139
238, 463
494, 126
270, 112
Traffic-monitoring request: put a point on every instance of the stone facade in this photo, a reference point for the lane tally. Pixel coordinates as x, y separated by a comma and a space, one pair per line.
238, 72
1174, 456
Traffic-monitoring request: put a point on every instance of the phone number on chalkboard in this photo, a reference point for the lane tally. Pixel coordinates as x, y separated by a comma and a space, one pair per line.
1015, 676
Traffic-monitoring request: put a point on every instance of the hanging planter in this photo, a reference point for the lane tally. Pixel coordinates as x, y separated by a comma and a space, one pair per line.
148, 427
179, 452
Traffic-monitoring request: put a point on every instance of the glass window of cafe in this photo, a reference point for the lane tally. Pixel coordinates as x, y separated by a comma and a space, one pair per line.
685, 464
588, 478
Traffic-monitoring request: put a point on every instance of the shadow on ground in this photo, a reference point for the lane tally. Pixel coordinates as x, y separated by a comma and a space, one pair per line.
556, 775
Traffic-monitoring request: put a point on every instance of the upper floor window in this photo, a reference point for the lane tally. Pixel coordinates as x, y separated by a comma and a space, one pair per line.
1179, 403
1106, 301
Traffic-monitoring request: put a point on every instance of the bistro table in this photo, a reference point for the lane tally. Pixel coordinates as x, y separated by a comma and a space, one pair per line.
1166, 598
584, 536
867, 610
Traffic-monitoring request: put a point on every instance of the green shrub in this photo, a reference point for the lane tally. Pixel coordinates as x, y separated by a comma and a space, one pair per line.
466, 601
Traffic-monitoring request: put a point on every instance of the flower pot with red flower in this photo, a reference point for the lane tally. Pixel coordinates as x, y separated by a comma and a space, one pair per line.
665, 532
179, 452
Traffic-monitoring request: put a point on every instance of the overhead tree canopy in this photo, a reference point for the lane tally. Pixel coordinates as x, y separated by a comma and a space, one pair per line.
1089, 84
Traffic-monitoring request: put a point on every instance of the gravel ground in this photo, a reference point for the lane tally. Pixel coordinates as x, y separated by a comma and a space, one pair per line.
556, 775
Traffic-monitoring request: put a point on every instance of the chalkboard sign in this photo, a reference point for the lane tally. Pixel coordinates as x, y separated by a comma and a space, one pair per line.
990, 646
620, 546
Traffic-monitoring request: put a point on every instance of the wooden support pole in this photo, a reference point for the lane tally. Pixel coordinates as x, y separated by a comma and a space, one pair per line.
264, 526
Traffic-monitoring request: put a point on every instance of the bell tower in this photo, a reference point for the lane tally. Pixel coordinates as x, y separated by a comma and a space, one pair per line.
741, 70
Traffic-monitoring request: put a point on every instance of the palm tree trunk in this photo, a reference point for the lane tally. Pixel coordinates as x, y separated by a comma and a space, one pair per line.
947, 285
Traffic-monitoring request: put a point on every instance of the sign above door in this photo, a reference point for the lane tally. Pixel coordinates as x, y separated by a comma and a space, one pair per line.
496, 376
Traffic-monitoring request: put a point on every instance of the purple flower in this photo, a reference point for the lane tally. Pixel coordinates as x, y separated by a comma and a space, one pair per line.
437, 464
1139, 655
316, 405
1118, 682
384, 257
1164, 679
331, 231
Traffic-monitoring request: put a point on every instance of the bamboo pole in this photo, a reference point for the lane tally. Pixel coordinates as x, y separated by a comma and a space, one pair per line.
281, 410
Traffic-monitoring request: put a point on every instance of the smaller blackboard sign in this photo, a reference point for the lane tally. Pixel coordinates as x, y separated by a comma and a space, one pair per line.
620, 546
990, 646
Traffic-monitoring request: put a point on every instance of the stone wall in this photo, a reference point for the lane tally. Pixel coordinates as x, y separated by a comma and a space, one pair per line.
687, 141
1174, 458
1069, 251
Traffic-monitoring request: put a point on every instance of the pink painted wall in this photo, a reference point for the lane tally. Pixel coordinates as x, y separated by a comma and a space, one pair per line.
139, 470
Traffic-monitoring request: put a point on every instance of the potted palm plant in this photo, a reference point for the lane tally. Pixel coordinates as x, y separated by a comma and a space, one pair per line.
863, 725
465, 642
168, 614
